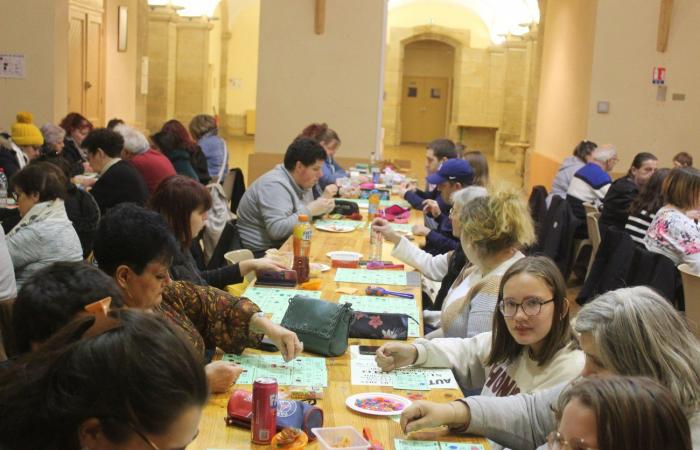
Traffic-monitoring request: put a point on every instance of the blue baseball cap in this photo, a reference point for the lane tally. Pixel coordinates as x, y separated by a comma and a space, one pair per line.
452, 170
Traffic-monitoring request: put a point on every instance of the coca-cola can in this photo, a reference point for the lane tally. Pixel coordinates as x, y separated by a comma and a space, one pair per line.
264, 424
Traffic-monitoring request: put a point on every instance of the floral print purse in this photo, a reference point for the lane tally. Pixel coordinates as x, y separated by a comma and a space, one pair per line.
365, 325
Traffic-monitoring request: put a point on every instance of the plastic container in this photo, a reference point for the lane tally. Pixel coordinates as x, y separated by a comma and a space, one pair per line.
345, 261
347, 438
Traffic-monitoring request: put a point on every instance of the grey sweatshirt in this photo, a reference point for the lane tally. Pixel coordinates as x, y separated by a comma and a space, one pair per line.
523, 421
270, 208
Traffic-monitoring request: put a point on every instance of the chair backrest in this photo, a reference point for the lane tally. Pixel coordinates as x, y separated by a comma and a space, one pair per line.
236, 256
691, 291
590, 208
593, 231
228, 183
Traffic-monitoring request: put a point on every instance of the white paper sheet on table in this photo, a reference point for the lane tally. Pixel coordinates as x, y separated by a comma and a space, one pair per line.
365, 372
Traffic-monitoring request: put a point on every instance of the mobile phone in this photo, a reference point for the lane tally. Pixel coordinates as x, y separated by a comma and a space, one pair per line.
368, 349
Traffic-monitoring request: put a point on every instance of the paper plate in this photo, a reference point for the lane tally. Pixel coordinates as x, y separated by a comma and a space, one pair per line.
319, 267
377, 403
344, 255
336, 228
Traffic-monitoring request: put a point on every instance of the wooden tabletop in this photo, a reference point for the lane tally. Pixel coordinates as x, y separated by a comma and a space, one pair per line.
214, 434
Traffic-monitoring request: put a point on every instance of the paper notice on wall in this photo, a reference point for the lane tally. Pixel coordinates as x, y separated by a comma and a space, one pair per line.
12, 66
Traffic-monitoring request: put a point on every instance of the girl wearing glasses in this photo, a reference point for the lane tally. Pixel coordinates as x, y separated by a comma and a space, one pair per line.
619, 413
531, 347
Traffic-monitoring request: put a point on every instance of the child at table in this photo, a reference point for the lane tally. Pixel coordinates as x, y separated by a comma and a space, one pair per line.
531, 347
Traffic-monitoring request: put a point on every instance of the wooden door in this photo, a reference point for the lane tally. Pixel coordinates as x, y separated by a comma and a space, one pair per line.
424, 108
85, 64
76, 61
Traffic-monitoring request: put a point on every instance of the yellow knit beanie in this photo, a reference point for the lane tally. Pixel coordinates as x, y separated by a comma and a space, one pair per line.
24, 132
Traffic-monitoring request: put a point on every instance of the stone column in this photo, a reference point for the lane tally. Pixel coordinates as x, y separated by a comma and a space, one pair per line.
192, 72
162, 44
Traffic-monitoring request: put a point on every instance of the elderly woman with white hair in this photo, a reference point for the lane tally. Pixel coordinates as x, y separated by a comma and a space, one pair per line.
628, 332
53, 139
443, 268
153, 166
592, 181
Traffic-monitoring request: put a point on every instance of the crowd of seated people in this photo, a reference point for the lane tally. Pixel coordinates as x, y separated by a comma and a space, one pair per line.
103, 282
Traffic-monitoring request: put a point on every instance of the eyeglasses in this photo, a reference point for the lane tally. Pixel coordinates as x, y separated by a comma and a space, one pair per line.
15, 196
530, 306
150, 442
556, 441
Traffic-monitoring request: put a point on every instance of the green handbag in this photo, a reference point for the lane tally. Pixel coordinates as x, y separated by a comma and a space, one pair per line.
322, 326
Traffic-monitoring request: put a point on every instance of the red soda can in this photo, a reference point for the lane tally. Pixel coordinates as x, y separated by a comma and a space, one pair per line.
264, 424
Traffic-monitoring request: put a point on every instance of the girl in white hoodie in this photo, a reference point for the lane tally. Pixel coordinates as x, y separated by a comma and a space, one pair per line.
531, 347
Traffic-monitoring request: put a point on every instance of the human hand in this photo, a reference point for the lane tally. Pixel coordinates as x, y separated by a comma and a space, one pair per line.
87, 167
250, 265
420, 230
431, 207
330, 191
286, 341
383, 226
86, 182
424, 414
221, 375
405, 187
394, 355
321, 206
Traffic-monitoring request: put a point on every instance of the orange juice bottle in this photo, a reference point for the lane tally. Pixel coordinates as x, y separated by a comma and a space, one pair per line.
302, 248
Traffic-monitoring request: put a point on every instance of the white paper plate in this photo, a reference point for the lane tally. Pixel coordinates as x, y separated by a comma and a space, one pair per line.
319, 267
347, 256
336, 228
401, 403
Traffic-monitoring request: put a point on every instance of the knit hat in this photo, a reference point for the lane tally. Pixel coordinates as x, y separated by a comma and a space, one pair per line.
24, 132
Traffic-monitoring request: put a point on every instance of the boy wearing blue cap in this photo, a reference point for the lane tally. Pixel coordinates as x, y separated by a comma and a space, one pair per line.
453, 175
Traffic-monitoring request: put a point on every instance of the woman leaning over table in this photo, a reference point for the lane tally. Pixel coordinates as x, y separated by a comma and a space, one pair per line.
135, 247
184, 203
445, 267
531, 347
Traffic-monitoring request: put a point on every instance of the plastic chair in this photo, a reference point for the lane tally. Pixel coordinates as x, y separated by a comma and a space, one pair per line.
593, 236
691, 293
236, 256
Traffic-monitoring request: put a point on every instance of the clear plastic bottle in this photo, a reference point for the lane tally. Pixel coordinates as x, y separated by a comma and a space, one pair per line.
302, 248
373, 205
375, 245
3, 188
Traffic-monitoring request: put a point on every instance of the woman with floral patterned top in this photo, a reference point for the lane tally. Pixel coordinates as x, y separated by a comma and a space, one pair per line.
674, 232
135, 247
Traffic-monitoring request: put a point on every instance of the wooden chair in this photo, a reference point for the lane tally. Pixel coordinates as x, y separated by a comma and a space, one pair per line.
593, 236
691, 293
236, 256
590, 208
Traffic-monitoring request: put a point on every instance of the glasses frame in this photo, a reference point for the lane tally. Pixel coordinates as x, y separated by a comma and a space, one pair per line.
555, 438
502, 307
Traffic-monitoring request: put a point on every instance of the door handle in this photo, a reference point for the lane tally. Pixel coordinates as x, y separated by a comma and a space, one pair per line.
88, 85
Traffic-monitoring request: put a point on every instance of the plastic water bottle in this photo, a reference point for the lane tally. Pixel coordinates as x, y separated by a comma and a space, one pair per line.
373, 202
302, 248
375, 245
3, 188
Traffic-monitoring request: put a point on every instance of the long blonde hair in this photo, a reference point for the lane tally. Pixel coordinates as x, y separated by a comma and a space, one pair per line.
638, 332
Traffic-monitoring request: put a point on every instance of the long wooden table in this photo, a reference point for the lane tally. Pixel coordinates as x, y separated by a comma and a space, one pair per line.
215, 434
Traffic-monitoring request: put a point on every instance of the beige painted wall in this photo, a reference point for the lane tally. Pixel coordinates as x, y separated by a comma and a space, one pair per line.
335, 77
214, 70
121, 67
624, 55
565, 81
444, 15
242, 84
38, 30
428, 59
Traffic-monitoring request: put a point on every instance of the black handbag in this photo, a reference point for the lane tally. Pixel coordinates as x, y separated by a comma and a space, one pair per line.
345, 207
